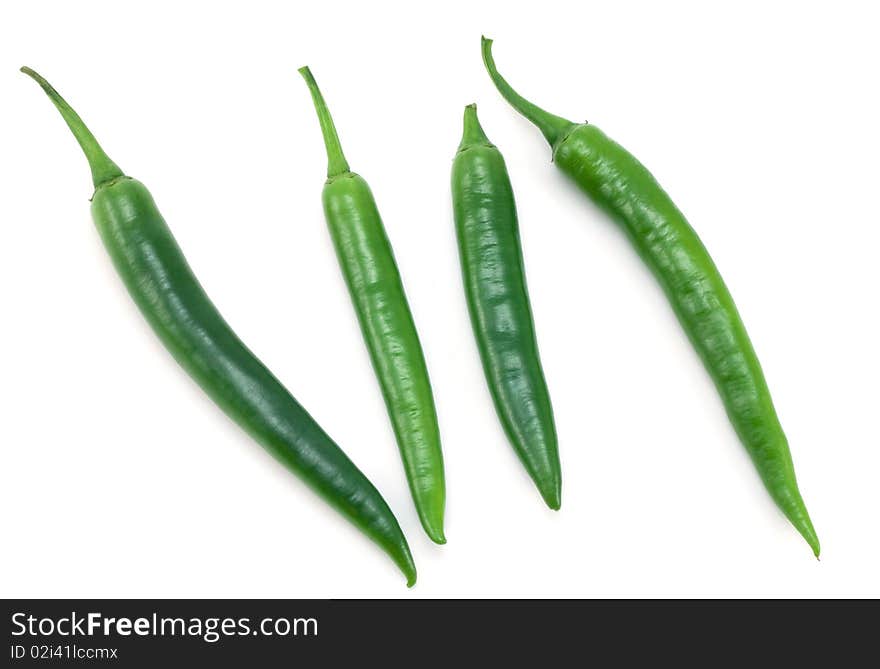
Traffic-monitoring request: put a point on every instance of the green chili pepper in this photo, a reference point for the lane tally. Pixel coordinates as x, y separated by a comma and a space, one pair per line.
373, 280
169, 296
619, 183
495, 286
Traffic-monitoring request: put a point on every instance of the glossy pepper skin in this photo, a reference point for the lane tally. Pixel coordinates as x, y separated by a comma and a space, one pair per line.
495, 286
376, 290
158, 278
621, 185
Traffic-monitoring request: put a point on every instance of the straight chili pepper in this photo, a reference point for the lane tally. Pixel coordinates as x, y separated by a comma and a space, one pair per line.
373, 280
623, 187
163, 286
498, 302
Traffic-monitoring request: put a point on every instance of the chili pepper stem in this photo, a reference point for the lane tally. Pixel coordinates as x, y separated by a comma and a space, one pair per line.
473, 132
554, 128
103, 169
336, 162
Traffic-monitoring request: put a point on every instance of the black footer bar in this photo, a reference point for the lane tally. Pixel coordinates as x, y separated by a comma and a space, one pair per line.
135, 633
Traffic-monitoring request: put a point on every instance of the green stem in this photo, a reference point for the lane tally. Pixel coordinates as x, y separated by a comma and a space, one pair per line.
552, 127
336, 163
103, 169
473, 132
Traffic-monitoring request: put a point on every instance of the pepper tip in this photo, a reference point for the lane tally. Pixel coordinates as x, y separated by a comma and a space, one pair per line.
551, 491
553, 498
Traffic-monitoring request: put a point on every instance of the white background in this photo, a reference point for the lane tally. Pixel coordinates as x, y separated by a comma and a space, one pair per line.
119, 478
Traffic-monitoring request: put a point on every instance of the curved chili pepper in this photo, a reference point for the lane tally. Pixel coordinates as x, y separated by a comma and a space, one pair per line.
664, 239
163, 286
495, 286
374, 283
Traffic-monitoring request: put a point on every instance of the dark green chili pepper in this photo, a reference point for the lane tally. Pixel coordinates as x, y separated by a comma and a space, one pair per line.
495, 285
619, 183
169, 296
373, 280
